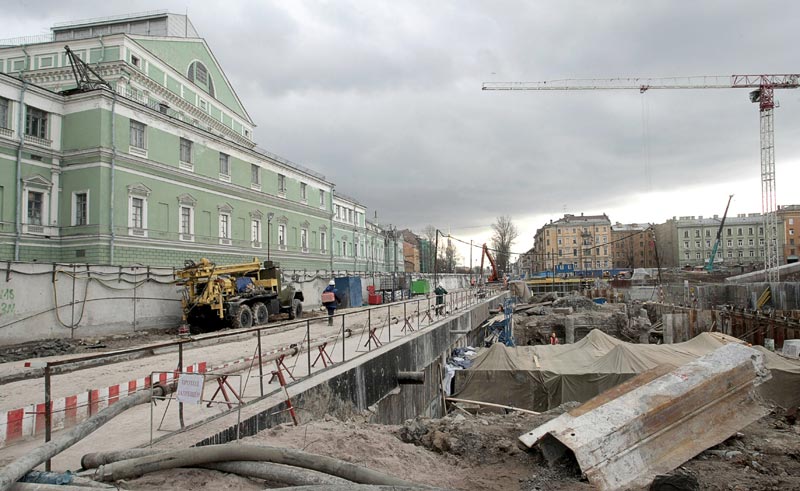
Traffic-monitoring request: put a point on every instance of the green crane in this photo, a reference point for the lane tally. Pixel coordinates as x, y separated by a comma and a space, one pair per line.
710, 265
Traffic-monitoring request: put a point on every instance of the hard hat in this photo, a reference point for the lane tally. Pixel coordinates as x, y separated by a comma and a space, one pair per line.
332, 283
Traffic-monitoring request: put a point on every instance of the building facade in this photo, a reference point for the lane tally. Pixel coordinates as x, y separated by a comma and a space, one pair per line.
582, 241
633, 246
790, 216
159, 168
741, 244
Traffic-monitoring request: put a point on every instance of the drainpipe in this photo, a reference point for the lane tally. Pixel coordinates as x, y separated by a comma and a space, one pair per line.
113, 171
21, 131
331, 232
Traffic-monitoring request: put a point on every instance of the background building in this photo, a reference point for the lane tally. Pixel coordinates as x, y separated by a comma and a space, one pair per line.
633, 246
790, 215
582, 241
160, 167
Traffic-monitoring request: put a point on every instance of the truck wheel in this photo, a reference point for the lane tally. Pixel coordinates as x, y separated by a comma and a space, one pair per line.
242, 318
297, 309
260, 314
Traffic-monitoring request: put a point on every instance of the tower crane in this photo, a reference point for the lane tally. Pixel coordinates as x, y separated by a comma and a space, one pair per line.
764, 87
710, 265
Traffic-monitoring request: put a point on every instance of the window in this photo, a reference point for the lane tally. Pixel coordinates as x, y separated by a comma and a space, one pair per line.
750, 242
137, 135
344, 248
791, 241
685, 234
224, 165
35, 122
355, 249
322, 198
282, 235
255, 176
135, 61
697, 233
740, 242
728, 231
322, 241
729, 243
350, 216
255, 232
303, 191
35, 200
198, 74
137, 212
685, 244
791, 220
4, 105
750, 231
697, 255
739, 231
187, 222
304, 239
186, 154
708, 233
752, 253
761, 242
338, 212
730, 253
80, 207
697, 244
281, 183
741, 254
225, 228
708, 243
760, 230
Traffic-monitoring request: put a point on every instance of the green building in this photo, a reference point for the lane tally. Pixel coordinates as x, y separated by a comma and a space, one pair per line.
160, 168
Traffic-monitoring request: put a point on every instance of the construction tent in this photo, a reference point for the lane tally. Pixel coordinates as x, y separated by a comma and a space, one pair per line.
543, 377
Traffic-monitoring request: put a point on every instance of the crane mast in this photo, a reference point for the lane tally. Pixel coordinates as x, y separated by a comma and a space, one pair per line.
763, 94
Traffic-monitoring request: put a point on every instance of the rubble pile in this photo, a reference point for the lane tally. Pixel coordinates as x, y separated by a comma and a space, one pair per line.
533, 322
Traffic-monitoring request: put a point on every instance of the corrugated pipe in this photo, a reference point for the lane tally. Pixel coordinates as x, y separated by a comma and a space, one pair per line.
280, 474
193, 457
12, 472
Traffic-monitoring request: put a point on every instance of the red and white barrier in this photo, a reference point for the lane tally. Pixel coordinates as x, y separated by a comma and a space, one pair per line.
68, 411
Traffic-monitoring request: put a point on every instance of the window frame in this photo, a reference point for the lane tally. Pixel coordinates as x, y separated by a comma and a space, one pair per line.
42, 126
75, 222
185, 150
5, 110
132, 144
281, 184
256, 232
224, 167
184, 234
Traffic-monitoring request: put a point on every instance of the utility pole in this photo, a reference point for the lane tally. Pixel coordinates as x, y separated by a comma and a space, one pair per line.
436, 259
470, 261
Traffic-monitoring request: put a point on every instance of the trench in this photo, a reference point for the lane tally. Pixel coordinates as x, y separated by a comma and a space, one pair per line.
368, 385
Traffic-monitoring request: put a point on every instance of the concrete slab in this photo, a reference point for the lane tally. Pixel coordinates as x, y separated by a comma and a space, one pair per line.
658, 420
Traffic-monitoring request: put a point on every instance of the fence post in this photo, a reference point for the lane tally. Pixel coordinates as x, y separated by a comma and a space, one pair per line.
344, 352
260, 366
47, 415
389, 320
308, 344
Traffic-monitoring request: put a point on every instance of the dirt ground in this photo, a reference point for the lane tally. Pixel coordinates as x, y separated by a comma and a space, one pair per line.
480, 452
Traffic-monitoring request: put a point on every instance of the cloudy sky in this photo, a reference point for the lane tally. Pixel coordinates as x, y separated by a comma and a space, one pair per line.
385, 99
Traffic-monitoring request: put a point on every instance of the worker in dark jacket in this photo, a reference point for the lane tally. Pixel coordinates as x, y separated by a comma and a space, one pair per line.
440, 293
330, 299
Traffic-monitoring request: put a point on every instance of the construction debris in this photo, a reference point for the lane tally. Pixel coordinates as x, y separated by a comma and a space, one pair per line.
655, 422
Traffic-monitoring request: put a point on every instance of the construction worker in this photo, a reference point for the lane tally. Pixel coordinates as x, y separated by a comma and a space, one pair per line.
330, 299
440, 293
553, 338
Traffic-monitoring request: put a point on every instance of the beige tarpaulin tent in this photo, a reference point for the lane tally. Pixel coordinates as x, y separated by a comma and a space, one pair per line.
543, 377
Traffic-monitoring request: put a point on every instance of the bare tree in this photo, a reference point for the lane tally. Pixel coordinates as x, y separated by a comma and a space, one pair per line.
448, 258
505, 232
427, 257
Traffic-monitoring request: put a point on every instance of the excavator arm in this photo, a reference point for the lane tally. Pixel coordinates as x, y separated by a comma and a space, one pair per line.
494, 276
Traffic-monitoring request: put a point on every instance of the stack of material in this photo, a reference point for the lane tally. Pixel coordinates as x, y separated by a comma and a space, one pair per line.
543, 377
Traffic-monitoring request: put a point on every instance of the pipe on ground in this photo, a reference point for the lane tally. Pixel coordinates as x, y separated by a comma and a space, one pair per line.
193, 457
414, 378
357, 487
268, 471
12, 472
36, 486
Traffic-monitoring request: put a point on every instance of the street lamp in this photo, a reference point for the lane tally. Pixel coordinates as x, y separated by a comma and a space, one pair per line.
270, 216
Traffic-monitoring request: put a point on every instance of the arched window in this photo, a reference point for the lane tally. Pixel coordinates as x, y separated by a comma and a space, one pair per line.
198, 73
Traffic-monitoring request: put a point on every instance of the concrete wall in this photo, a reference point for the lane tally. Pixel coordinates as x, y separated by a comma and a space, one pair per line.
39, 301
98, 301
785, 295
369, 383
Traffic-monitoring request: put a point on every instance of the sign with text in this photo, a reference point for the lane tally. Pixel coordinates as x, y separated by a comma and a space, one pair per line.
190, 388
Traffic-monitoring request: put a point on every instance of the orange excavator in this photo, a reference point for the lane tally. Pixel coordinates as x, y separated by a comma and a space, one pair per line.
494, 277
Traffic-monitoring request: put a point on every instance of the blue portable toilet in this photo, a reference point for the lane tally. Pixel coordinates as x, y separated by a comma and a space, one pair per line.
349, 288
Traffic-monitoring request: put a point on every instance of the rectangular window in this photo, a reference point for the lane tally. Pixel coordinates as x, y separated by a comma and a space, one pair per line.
303, 191
739, 231
35, 201
323, 243
750, 231
350, 216
255, 232
81, 207
344, 248
697, 233
708, 233
137, 135
186, 151
255, 174
224, 226
137, 212
224, 165
304, 239
750, 242
4, 105
187, 223
282, 235
740, 242
281, 183
728, 231
322, 197
730, 253
685, 234
791, 220
35, 122
729, 243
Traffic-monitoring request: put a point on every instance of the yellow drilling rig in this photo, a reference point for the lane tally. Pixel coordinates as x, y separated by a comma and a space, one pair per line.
234, 295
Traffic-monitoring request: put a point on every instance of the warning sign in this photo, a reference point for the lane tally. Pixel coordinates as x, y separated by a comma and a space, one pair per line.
190, 388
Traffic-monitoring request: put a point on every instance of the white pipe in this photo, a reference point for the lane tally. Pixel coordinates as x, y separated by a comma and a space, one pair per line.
113, 171
21, 131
